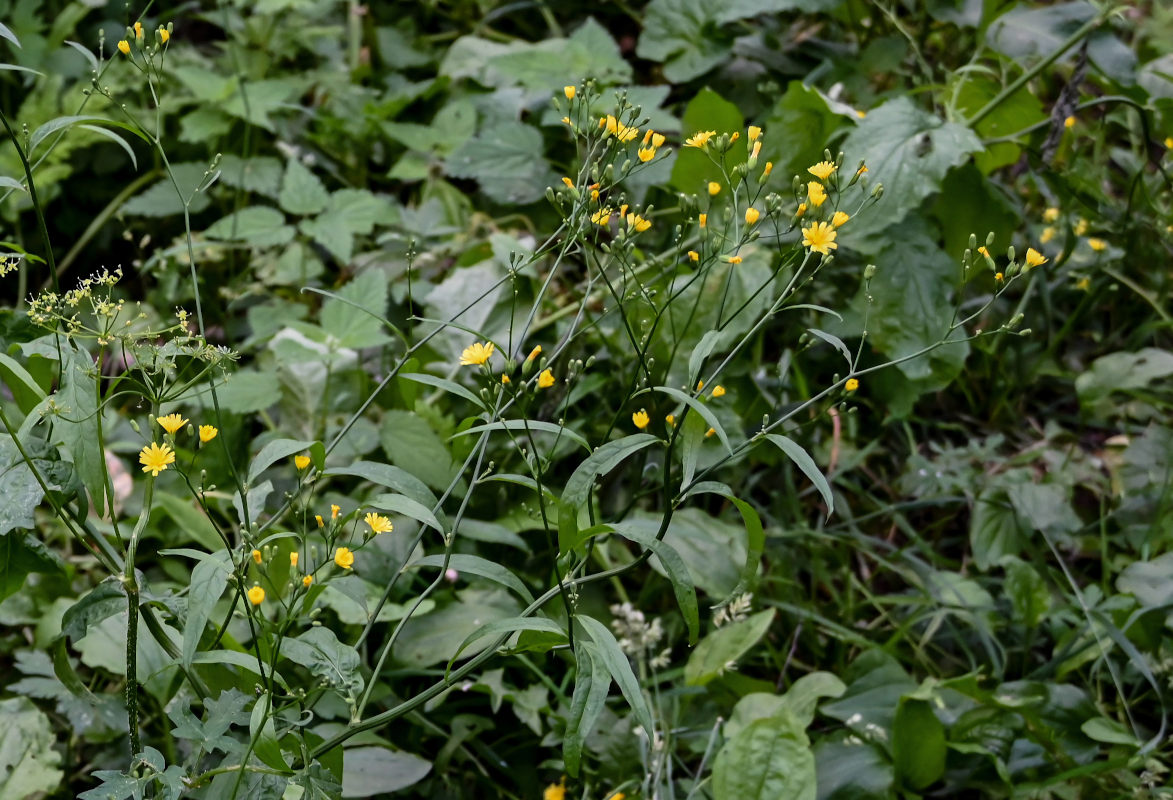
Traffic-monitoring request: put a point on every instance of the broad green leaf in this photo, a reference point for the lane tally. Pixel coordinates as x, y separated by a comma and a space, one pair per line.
721, 648
601, 462
1029, 597
1109, 731
1123, 372
755, 534
327, 658
77, 424
336, 238
401, 504
1045, 506
918, 744
359, 322
507, 161
438, 636
767, 759
809, 123
260, 174
28, 760
1015, 113
909, 151
392, 477
302, 192
162, 199
849, 770
592, 683
100, 603
208, 580
994, 529
1150, 582
370, 771
801, 458
211, 731
510, 625
279, 449
192, 523
699, 407
693, 170
412, 445
1025, 31
683, 34
263, 733
247, 392
619, 667
21, 553
259, 226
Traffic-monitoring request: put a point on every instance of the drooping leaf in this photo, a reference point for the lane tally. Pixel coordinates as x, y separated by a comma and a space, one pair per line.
720, 650
769, 758
592, 683
369, 771
609, 652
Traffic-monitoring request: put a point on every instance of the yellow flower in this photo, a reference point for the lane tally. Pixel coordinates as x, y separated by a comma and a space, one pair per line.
768, 168
638, 223
710, 432
307, 580
755, 152
718, 391
617, 796
1169, 142
800, 210
601, 217
1047, 235
569, 184
321, 522
171, 423
537, 351
1099, 245
999, 277
658, 140
640, 419
1083, 283
693, 255
138, 31
822, 170
861, 170
505, 379
752, 215
820, 238
984, 251
124, 47
378, 523
702, 219
301, 462
164, 35
1034, 258
294, 556
620, 131
1081, 227
334, 511
155, 458
733, 259
476, 353
646, 153
208, 433
839, 218
555, 791
700, 385
546, 379
714, 188
256, 595
257, 556
569, 91
816, 193
671, 420
733, 137
851, 385
564, 121
861, 113
1051, 214
1069, 122
699, 139
344, 558
754, 133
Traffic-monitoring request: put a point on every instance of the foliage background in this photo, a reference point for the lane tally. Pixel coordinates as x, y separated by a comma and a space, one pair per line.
987, 605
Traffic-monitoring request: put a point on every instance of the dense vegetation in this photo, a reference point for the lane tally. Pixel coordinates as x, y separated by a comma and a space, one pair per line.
675, 399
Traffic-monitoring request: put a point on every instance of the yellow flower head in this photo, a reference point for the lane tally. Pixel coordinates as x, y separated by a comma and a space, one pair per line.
646, 154
1047, 235
601, 217
733, 259
505, 379
984, 251
1083, 283
822, 170
564, 121
640, 419
752, 215
702, 219
733, 137
155, 458
710, 432
321, 522
816, 193
699, 139
1051, 214
555, 791
718, 391
620, 131
820, 238
861, 170
756, 151
476, 353
344, 558
138, 31
637, 223
546, 379
171, 423
569, 184
307, 580
1034, 258
671, 420
294, 556
1169, 142
859, 112
164, 35
714, 188
335, 511
768, 168
754, 133
1081, 227
569, 91
256, 595
1099, 245
256, 556
378, 523
1069, 122
208, 433
839, 218
301, 462
658, 140
851, 385
537, 351
693, 255
798, 212
124, 47
999, 277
